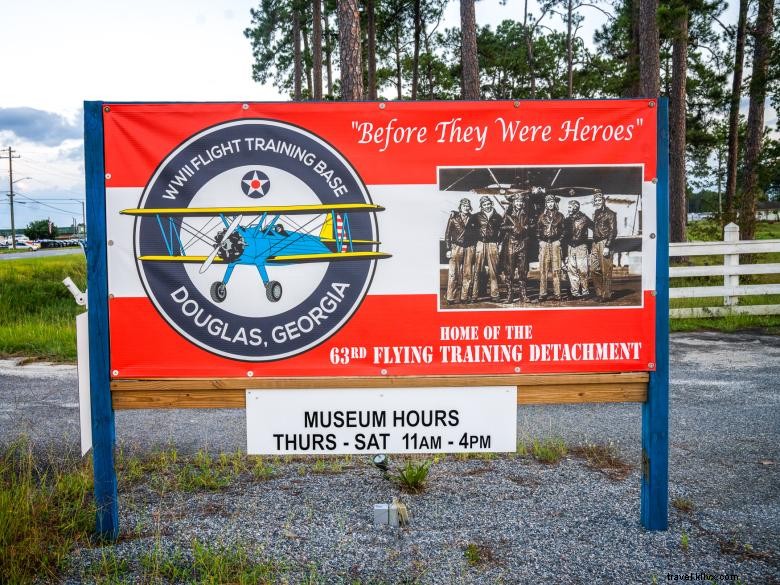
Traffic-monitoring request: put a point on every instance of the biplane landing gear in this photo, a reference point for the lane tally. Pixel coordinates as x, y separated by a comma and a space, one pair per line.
218, 291
273, 290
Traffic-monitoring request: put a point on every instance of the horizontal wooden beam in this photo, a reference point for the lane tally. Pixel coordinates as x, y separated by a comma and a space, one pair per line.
704, 312
584, 393
689, 292
142, 399
375, 382
720, 270
719, 248
231, 392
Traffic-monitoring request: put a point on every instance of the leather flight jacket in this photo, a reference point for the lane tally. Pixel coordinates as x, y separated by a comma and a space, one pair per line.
516, 225
577, 226
604, 226
486, 228
458, 231
550, 226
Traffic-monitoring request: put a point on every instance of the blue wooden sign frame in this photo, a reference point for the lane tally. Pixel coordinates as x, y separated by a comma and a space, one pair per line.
654, 499
103, 433
655, 411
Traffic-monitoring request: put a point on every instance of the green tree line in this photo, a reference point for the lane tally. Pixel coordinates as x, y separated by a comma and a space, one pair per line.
709, 68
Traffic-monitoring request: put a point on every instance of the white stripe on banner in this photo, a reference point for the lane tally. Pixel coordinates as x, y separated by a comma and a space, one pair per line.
411, 229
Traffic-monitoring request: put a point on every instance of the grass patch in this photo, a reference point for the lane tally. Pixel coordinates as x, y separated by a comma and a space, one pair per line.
683, 505
43, 512
109, 568
37, 313
769, 324
167, 471
549, 451
477, 554
413, 477
211, 564
262, 470
604, 458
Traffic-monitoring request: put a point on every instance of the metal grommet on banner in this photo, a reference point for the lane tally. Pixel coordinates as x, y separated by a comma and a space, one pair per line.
651, 365
382, 105
651, 104
110, 242
115, 373
107, 109
244, 106
655, 181
383, 372
652, 236
517, 369
517, 104
654, 293
108, 176
249, 374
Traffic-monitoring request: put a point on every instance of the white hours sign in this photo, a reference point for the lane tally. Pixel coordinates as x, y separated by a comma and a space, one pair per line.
389, 420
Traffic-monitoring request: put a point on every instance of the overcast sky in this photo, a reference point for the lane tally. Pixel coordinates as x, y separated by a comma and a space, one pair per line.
57, 54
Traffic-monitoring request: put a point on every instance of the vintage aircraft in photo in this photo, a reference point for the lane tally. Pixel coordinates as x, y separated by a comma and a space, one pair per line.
501, 183
255, 236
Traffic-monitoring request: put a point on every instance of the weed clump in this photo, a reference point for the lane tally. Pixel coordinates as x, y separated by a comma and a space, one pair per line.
603, 458
683, 505
413, 476
262, 470
549, 451
477, 554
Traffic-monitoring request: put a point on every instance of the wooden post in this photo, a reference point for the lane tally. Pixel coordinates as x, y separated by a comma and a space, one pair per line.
103, 437
654, 501
731, 234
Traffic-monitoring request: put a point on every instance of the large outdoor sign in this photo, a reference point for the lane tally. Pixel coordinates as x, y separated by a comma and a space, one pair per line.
391, 239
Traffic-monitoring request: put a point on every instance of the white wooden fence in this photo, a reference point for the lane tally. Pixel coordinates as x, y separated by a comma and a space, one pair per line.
731, 247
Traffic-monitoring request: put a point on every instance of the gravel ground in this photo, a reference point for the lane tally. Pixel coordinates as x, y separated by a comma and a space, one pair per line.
564, 523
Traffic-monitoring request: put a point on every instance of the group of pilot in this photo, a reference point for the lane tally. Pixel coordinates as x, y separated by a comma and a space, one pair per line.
500, 245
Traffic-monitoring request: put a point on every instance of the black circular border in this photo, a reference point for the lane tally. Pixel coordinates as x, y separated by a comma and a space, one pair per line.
367, 279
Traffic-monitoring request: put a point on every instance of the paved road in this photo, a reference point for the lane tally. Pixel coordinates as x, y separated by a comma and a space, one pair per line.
39, 253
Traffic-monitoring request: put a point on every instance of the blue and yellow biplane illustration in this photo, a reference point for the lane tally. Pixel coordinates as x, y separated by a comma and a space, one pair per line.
255, 236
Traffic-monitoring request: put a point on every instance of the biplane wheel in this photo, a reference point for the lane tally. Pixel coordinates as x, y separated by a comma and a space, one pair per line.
218, 292
273, 290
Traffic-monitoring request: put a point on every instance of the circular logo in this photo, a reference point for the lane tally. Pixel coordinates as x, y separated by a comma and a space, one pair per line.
249, 281
255, 184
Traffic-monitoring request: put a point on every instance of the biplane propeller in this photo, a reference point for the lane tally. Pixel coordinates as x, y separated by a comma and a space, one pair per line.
254, 236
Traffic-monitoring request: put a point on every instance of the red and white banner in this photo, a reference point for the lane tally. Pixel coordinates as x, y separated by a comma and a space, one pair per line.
380, 239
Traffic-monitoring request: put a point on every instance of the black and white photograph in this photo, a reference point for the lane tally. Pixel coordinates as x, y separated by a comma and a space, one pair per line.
541, 237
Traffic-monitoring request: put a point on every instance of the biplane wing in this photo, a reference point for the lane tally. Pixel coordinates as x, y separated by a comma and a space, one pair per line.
255, 210
260, 243
326, 257
181, 259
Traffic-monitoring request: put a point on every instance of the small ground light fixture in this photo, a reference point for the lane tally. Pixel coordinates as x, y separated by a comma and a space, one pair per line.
380, 461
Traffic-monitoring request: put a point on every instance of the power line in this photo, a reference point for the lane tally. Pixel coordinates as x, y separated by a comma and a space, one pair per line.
65, 201
69, 212
48, 170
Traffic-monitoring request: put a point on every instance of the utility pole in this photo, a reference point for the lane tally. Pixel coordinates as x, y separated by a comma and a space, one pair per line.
10, 156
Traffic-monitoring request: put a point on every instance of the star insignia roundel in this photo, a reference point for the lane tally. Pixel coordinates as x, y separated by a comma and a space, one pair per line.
255, 184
